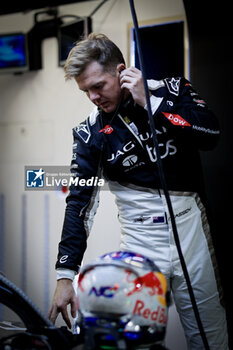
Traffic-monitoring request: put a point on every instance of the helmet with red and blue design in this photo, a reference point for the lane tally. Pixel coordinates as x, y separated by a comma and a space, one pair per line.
123, 296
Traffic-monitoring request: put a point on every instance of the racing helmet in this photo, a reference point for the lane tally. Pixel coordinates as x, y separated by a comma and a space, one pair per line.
123, 295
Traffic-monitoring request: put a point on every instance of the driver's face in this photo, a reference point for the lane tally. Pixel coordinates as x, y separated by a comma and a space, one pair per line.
102, 88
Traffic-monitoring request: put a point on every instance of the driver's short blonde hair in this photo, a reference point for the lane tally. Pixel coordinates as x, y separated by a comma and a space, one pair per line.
97, 47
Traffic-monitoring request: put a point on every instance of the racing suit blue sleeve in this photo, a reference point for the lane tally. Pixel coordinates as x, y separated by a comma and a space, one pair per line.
82, 201
186, 114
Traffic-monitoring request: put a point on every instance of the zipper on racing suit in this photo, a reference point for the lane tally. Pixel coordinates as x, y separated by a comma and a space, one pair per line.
131, 130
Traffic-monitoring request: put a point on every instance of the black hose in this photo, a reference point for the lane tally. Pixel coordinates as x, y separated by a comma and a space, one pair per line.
13, 297
163, 181
36, 323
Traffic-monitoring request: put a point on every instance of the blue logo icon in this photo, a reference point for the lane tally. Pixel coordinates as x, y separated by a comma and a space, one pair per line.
35, 178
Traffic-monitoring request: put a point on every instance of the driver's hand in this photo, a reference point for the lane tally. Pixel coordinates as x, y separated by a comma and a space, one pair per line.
63, 296
132, 80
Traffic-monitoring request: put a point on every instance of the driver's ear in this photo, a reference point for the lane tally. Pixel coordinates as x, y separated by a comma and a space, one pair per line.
120, 67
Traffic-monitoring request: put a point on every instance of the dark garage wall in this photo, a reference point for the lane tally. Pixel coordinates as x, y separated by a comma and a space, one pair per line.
211, 72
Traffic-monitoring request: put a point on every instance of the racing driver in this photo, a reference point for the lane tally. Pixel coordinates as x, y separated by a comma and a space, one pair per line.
116, 141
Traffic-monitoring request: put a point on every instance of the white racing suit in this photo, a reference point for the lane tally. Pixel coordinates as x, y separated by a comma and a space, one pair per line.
150, 214
123, 150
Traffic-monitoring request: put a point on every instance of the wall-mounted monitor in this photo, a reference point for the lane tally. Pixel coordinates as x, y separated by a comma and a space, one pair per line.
71, 32
13, 53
